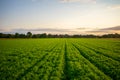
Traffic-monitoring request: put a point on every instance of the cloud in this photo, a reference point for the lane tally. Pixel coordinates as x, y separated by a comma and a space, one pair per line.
115, 29
34, 0
43, 30
82, 28
98, 31
114, 7
39, 30
82, 1
4, 30
112, 28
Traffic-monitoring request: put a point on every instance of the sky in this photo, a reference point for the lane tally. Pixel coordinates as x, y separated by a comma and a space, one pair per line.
60, 16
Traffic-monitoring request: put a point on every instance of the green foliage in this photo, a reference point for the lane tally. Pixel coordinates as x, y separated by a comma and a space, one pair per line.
29, 34
59, 59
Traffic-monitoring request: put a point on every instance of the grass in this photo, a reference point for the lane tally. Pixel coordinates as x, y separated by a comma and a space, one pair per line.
60, 59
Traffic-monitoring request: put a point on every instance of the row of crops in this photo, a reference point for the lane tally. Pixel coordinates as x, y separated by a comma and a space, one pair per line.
60, 59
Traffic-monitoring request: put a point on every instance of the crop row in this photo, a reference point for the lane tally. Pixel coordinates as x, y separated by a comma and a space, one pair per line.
16, 61
106, 64
59, 59
79, 68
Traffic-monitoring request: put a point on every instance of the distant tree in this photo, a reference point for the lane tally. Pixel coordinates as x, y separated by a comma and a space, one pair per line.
50, 36
1, 35
9, 36
116, 35
66, 36
16, 35
75, 36
44, 35
29, 34
35, 35
22, 36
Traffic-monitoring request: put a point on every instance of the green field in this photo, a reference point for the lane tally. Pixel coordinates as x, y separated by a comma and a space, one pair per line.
60, 59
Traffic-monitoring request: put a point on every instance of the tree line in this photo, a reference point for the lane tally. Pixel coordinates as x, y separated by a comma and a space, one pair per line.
44, 35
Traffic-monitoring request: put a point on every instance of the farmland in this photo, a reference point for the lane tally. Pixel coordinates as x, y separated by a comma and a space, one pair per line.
60, 59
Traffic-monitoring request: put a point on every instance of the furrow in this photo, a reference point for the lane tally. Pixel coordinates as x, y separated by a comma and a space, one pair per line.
30, 68
66, 63
99, 52
99, 61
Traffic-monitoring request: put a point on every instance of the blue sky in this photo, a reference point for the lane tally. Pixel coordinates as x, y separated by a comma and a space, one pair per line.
59, 16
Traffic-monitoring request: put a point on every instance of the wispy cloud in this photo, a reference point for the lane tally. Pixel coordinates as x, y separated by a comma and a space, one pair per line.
38, 30
82, 1
80, 30
115, 29
112, 28
114, 7
4, 30
97, 31
43, 29
34, 0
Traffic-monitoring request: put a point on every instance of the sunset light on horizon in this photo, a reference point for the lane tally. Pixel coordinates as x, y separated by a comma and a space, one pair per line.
60, 16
